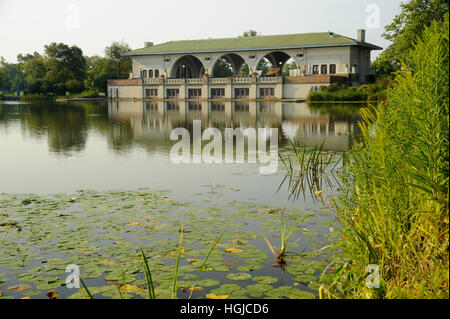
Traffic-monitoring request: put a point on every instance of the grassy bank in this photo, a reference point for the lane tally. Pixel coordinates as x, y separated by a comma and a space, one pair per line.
84, 95
339, 92
394, 212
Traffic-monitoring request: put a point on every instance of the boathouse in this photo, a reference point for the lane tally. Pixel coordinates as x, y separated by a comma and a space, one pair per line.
184, 69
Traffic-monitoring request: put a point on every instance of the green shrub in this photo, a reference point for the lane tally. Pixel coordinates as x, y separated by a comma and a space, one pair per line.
394, 211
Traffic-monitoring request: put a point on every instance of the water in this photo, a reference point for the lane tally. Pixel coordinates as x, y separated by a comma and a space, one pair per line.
49, 148
62, 147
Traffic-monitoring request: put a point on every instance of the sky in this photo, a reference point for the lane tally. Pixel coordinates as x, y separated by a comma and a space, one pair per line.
27, 25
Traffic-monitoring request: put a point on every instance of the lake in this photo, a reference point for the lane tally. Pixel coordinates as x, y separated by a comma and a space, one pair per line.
89, 183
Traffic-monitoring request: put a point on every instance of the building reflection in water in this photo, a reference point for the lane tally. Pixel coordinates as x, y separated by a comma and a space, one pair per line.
152, 121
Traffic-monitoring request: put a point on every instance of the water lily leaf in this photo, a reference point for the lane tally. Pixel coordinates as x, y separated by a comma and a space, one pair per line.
19, 287
239, 276
265, 279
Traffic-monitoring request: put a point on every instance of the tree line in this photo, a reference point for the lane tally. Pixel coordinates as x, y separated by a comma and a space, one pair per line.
63, 69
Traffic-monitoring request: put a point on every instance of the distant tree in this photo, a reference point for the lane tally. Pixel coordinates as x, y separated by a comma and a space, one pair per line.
249, 33
35, 74
222, 69
99, 71
66, 68
122, 63
13, 77
27, 57
406, 28
289, 66
2, 77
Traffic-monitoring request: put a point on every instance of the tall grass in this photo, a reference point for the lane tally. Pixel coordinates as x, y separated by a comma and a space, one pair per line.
308, 170
395, 210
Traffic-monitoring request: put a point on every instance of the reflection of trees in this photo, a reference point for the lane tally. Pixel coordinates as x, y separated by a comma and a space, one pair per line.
120, 136
67, 129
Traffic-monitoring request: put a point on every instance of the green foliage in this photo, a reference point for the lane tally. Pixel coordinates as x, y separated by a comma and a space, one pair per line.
337, 92
249, 33
122, 63
394, 212
289, 66
222, 69
66, 68
406, 28
13, 78
63, 70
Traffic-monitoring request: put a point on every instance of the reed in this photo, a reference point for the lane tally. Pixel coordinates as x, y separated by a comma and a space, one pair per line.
394, 210
204, 262
175, 274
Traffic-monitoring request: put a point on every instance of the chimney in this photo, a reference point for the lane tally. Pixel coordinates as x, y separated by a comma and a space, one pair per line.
148, 44
361, 35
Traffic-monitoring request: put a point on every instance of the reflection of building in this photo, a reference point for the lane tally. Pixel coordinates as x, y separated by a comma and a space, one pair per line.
182, 69
153, 120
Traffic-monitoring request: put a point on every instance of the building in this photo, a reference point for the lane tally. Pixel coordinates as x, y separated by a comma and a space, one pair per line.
183, 69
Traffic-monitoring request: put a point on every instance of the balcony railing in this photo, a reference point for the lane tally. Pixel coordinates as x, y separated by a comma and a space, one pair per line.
195, 80
268, 79
217, 80
242, 80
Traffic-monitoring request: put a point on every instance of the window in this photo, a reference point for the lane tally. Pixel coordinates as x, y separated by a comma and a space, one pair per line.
194, 93
323, 69
151, 93
241, 93
332, 68
144, 73
217, 93
173, 93
315, 69
156, 73
266, 92
150, 73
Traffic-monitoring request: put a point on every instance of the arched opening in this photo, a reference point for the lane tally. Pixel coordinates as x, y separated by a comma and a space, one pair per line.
186, 67
275, 63
227, 65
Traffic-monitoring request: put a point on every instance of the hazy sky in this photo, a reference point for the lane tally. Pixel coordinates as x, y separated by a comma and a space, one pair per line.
27, 25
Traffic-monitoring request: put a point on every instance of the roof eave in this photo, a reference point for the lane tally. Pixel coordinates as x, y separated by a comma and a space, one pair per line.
363, 44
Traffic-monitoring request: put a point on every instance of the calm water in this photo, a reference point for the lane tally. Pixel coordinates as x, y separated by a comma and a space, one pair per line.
62, 147
49, 148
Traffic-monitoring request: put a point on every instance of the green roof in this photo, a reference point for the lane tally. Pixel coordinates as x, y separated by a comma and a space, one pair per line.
266, 42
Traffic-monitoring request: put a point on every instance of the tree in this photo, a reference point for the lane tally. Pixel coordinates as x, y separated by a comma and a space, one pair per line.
13, 77
66, 68
222, 69
249, 33
35, 74
289, 66
122, 63
406, 28
2, 77
99, 71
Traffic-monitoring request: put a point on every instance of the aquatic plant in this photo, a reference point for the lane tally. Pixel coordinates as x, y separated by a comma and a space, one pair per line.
202, 267
285, 236
310, 169
394, 211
